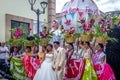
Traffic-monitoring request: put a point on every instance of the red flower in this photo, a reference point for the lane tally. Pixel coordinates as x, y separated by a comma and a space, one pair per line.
45, 28
29, 29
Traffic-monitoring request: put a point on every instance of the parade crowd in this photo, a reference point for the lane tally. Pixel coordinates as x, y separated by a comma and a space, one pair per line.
73, 61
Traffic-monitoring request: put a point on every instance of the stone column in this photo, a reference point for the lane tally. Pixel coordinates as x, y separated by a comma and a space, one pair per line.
51, 11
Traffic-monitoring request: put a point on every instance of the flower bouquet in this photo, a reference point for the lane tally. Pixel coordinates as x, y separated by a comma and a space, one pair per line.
87, 29
17, 37
44, 37
70, 35
102, 29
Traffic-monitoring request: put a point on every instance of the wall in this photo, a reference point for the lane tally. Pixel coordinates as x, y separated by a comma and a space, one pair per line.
18, 8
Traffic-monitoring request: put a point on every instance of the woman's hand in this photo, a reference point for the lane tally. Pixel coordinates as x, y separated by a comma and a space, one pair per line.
77, 54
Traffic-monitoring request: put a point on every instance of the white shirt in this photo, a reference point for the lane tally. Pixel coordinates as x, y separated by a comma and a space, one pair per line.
57, 36
4, 55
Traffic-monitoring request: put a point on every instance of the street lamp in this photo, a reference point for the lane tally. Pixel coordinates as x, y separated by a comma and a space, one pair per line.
38, 11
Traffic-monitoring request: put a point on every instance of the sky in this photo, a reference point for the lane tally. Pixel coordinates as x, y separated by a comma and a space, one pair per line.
103, 5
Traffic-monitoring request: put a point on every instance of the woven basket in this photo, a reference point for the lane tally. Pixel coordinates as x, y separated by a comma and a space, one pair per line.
14, 43
100, 40
86, 38
70, 39
31, 43
44, 42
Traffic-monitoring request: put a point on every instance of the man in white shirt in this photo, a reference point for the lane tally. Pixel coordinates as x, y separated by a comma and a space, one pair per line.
57, 33
4, 51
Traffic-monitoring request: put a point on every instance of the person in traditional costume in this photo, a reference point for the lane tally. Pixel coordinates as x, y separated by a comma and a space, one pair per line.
30, 63
74, 67
103, 70
4, 63
45, 72
89, 72
15, 52
42, 53
80, 50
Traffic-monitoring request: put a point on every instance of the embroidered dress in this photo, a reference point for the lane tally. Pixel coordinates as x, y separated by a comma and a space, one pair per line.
89, 72
74, 67
17, 69
104, 71
31, 65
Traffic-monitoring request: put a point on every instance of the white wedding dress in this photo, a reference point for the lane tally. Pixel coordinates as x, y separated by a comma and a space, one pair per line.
45, 72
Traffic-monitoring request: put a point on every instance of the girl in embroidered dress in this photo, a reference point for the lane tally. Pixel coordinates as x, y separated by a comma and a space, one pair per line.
89, 73
103, 70
74, 67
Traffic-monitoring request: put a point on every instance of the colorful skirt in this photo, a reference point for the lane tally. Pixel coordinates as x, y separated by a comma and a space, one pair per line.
74, 70
4, 69
104, 72
17, 69
89, 72
30, 65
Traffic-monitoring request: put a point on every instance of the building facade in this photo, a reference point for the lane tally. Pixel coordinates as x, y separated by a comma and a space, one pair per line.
18, 12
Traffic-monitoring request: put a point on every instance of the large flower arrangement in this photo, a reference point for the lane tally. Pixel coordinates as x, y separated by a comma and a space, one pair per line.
44, 37
105, 25
70, 35
87, 28
17, 36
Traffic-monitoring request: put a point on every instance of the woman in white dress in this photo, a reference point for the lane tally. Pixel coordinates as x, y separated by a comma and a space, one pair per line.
45, 72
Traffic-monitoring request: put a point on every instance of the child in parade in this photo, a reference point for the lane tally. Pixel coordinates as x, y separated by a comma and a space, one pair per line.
89, 72
103, 70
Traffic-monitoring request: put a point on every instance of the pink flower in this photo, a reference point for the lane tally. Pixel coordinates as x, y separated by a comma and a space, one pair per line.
18, 33
82, 21
65, 31
109, 21
102, 21
41, 34
84, 26
90, 25
68, 22
104, 30
92, 21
